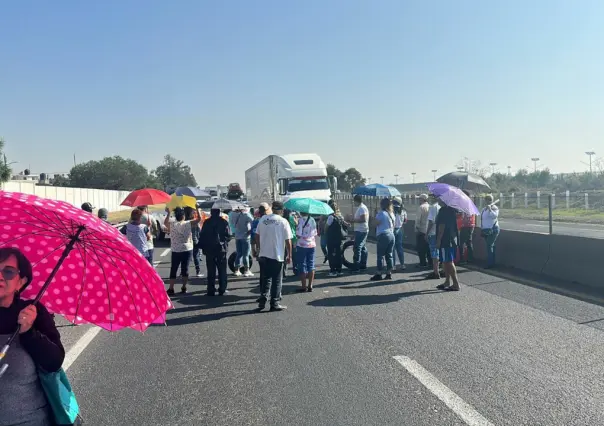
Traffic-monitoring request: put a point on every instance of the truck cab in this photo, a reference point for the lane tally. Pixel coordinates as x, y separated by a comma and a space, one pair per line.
304, 176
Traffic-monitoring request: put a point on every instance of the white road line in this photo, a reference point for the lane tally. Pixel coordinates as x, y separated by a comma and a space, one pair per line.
156, 263
165, 252
464, 410
79, 347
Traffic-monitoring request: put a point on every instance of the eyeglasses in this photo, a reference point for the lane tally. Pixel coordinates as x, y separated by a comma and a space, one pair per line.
9, 273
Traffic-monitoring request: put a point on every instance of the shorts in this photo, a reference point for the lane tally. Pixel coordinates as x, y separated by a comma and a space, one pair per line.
448, 255
306, 259
433, 248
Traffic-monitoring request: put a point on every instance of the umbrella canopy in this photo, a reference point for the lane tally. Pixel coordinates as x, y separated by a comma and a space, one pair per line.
453, 197
146, 197
191, 191
182, 201
224, 204
465, 180
377, 190
309, 206
83, 268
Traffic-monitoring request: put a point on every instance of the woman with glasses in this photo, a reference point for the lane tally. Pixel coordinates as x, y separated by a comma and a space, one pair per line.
38, 345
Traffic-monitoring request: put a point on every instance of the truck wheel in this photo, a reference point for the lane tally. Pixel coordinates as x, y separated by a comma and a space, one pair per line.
231, 261
345, 262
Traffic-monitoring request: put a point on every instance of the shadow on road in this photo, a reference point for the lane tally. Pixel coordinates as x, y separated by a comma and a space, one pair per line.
207, 317
363, 300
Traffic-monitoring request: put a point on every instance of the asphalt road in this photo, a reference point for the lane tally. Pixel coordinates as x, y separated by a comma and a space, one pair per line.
562, 228
495, 353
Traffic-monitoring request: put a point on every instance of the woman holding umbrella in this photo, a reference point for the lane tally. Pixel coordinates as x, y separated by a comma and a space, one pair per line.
181, 244
38, 345
306, 232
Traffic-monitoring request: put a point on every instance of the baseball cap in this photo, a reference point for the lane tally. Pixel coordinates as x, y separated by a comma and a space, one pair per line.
277, 206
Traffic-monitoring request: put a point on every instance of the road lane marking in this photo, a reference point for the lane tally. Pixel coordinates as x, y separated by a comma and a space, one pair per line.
463, 410
79, 347
156, 263
165, 252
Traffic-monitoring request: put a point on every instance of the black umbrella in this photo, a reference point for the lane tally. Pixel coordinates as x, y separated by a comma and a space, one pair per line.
465, 180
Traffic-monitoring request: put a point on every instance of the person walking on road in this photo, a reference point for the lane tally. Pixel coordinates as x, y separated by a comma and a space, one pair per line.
214, 242
421, 229
292, 219
37, 347
446, 241
260, 213
191, 215
336, 231
400, 216
431, 237
273, 238
305, 251
466, 234
361, 231
138, 234
385, 221
489, 228
321, 227
243, 246
181, 244
148, 221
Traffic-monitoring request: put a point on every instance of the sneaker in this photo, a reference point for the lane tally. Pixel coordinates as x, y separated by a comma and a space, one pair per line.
325, 260
200, 275
376, 277
237, 273
248, 274
333, 274
388, 277
222, 293
340, 274
278, 307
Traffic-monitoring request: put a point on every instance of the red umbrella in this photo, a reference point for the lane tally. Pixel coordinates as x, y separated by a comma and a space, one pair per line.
146, 197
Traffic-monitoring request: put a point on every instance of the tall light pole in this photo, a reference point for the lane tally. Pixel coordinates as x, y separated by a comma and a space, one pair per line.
369, 180
460, 168
534, 160
509, 170
590, 153
382, 178
434, 173
413, 174
492, 167
396, 178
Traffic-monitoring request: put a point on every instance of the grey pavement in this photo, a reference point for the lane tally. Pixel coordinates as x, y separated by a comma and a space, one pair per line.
517, 354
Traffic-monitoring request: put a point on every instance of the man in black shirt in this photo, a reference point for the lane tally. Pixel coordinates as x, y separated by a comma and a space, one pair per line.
447, 242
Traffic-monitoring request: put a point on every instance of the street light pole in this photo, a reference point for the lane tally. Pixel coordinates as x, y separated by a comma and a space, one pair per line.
492, 167
534, 160
460, 168
509, 170
434, 173
590, 153
413, 174
382, 178
396, 178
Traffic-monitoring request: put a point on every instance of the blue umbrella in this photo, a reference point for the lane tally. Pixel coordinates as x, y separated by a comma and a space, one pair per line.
377, 190
191, 191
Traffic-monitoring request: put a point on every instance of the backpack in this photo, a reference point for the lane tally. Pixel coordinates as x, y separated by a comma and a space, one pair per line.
338, 230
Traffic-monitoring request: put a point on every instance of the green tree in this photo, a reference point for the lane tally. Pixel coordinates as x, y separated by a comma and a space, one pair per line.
174, 173
59, 180
115, 173
350, 179
5, 170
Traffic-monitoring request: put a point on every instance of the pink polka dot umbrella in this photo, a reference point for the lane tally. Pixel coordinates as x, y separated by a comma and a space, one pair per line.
83, 268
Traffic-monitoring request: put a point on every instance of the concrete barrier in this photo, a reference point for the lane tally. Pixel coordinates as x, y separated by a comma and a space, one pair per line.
99, 198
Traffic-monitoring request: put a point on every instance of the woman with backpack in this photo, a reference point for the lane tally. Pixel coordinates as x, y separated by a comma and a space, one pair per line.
385, 239
336, 231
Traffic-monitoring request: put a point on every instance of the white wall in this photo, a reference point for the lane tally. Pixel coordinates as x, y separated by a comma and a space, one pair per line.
99, 198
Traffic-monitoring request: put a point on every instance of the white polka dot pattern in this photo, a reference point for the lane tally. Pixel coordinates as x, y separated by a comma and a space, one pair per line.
103, 281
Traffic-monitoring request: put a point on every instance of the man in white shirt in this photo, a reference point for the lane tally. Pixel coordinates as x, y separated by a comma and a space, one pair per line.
273, 237
431, 236
361, 231
421, 229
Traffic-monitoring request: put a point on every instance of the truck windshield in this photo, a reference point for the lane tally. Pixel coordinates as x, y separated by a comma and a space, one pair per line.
296, 185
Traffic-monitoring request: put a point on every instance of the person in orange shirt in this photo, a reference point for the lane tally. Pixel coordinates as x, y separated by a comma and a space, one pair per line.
466, 234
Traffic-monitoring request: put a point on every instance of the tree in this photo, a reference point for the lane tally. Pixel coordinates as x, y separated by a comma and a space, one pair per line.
5, 170
174, 173
60, 180
350, 179
115, 173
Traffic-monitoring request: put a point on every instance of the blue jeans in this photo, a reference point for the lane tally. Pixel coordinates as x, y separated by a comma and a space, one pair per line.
324, 243
360, 253
149, 256
244, 249
399, 236
306, 259
490, 241
385, 249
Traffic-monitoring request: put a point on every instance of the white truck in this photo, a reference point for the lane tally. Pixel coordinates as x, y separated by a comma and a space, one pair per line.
281, 177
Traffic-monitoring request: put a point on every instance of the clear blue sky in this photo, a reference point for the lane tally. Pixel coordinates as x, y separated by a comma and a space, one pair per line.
385, 86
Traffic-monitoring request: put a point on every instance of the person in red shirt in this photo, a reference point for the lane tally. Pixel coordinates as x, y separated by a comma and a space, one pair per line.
466, 224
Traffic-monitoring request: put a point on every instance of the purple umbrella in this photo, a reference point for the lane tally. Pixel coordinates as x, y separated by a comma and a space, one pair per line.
453, 197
